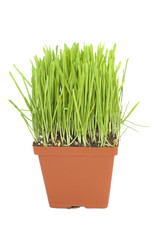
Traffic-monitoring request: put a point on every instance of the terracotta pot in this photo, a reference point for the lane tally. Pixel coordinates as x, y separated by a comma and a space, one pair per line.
77, 176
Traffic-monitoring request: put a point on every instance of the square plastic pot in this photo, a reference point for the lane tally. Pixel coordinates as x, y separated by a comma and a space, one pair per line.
77, 176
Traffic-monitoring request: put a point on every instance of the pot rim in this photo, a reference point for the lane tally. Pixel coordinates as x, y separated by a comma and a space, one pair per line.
99, 151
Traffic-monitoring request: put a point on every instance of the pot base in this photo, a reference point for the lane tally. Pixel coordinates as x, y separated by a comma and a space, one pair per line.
89, 206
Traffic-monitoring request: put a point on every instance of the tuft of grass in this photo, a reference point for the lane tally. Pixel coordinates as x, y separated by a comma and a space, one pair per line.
75, 97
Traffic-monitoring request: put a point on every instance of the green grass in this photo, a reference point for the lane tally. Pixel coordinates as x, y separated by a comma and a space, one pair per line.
75, 97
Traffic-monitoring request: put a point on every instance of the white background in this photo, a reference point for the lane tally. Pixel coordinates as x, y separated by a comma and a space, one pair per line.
134, 210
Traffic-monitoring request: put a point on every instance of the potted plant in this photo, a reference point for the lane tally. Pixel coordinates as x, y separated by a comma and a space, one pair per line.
76, 114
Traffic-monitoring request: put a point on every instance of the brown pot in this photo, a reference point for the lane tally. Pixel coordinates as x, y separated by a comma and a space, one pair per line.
77, 176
